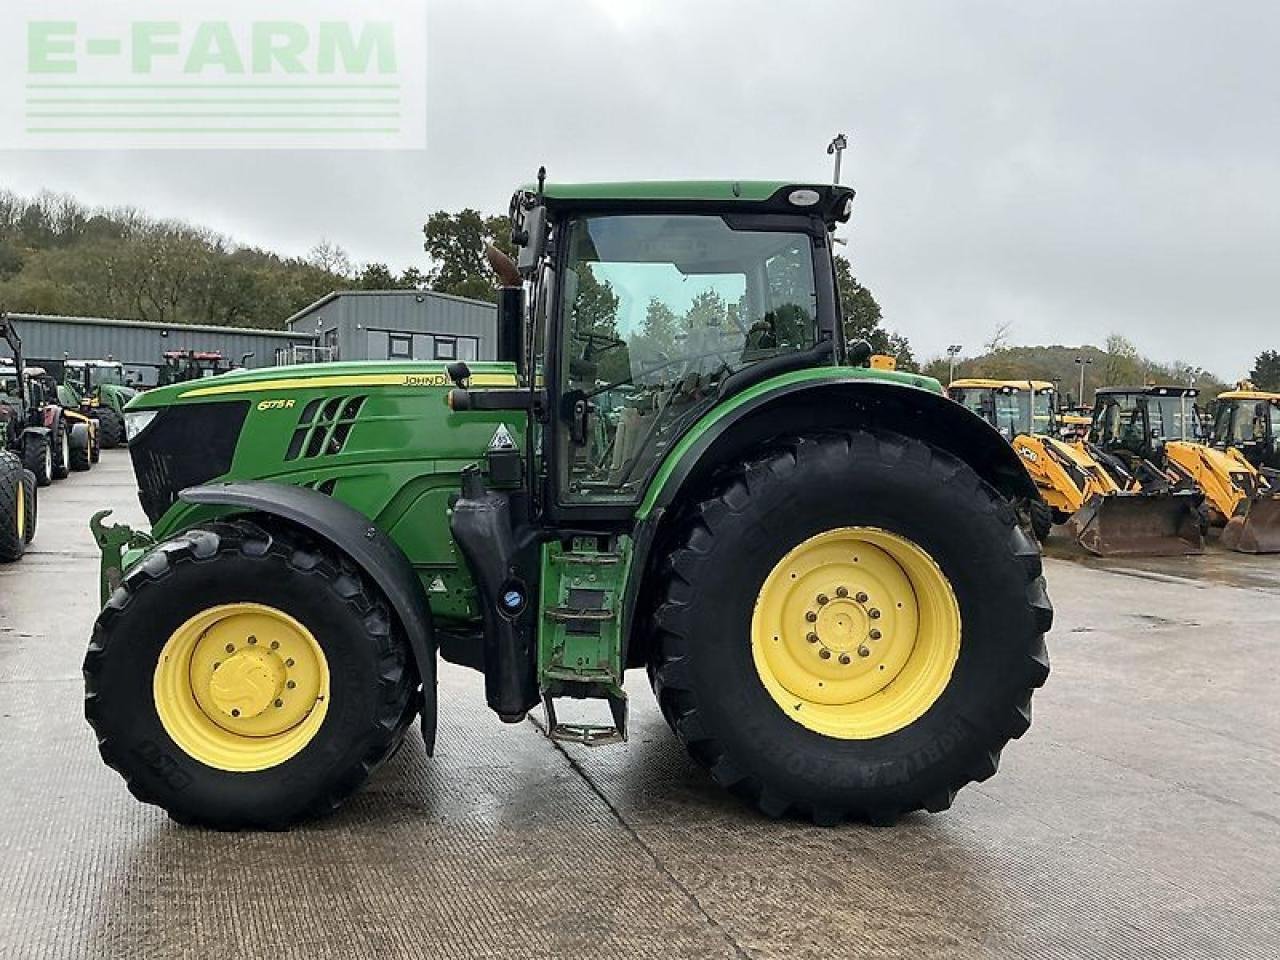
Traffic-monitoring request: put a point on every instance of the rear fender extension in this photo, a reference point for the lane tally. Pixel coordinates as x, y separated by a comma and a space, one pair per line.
369, 548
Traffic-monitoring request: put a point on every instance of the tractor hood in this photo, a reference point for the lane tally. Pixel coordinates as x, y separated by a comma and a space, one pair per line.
358, 428
318, 376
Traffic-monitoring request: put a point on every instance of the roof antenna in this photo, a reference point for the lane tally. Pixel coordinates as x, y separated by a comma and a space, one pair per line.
837, 148
542, 179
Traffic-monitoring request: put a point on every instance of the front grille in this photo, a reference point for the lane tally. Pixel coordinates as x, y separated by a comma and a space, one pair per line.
323, 427
184, 446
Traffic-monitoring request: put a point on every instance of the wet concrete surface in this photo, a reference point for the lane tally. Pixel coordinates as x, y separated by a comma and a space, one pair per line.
1140, 817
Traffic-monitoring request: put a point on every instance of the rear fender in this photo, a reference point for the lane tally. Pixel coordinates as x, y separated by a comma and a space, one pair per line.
377, 555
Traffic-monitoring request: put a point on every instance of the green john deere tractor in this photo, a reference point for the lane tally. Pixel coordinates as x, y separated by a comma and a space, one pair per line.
676, 464
97, 388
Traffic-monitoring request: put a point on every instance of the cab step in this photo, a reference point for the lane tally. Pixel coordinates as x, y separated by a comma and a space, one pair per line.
580, 638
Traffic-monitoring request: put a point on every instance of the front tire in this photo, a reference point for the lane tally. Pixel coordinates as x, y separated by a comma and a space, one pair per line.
60, 438
281, 617
80, 443
851, 748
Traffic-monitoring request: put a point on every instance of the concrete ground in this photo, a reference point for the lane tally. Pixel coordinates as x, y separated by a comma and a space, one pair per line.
1140, 817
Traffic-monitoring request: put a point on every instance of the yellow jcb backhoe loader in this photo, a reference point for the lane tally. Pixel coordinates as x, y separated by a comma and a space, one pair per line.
1155, 432
1109, 515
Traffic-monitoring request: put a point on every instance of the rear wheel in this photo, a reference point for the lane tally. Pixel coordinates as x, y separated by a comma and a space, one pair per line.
60, 440
37, 456
80, 448
851, 628
244, 678
111, 427
31, 503
14, 509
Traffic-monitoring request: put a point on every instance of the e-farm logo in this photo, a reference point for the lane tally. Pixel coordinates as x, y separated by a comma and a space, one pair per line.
218, 74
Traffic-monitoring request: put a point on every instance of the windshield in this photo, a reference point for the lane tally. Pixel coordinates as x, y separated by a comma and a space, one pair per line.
98, 375
9, 383
1174, 418
1008, 409
1254, 421
657, 311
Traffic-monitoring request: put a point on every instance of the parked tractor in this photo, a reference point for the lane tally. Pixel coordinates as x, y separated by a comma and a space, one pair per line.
32, 424
182, 366
1156, 433
97, 388
1108, 515
676, 464
83, 440
1248, 420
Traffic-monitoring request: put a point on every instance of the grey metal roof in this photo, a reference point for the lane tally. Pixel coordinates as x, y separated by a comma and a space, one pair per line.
152, 325
417, 294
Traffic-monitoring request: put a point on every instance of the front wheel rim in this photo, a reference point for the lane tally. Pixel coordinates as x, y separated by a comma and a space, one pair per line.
855, 633
22, 510
242, 687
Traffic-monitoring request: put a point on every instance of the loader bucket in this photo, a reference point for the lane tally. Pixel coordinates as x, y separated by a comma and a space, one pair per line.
1162, 524
1256, 526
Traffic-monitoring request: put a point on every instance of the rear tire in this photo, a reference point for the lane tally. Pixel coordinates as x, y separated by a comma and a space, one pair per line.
80, 443
712, 693
32, 503
60, 439
95, 441
1042, 519
37, 456
111, 428
370, 680
13, 509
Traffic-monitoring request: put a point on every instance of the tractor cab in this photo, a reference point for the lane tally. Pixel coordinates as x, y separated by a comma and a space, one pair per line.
1249, 421
1014, 407
1137, 422
182, 366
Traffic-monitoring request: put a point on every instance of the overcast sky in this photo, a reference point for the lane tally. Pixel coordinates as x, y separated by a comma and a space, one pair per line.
1071, 168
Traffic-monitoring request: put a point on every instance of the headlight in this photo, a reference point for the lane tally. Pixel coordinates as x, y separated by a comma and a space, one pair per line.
135, 423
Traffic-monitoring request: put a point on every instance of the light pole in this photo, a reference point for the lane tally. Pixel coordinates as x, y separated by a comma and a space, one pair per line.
953, 351
1082, 362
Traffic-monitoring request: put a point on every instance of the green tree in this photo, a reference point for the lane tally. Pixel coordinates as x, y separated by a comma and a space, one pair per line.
455, 243
863, 319
1123, 365
1266, 370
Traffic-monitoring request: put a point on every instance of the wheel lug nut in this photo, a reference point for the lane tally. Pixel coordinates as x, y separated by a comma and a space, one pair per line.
290, 684
235, 713
864, 652
811, 617
275, 644
875, 634
231, 648
844, 658
823, 598
216, 666
861, 597
812, 638
253, 639
289, 662
873, 613
824, 653
842, 591
279, 704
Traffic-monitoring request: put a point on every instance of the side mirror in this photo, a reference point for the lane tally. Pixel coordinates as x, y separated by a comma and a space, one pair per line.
532, 239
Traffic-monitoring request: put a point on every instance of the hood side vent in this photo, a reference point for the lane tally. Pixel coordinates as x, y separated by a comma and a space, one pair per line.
324, 427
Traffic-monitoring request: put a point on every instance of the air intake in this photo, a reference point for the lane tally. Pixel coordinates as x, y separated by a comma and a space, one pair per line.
324, 427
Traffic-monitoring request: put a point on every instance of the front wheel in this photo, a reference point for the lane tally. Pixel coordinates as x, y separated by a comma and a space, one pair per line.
37, 456
852, 627
110, 428
241, 678
17, 499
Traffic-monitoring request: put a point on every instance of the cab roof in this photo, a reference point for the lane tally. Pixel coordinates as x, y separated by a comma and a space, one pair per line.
1156, 390
981, 383
763, 196
1250, 395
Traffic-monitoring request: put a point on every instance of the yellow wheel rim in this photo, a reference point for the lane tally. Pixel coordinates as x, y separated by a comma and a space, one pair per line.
242, 687
855, 633
22, 509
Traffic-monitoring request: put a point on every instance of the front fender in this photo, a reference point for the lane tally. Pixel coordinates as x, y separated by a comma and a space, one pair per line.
375, 553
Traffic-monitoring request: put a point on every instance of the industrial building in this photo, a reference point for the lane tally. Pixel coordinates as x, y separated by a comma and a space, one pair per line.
398, 325
141, 345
